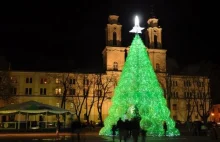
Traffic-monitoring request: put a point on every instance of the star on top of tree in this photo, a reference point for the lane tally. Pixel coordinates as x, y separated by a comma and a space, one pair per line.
136, 28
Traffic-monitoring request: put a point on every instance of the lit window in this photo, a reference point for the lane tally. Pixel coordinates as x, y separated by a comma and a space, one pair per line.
58, 104
58, 91
14, 80
57, 80
71, 105
43, 81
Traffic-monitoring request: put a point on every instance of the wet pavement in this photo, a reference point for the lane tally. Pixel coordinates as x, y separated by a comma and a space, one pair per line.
91, 137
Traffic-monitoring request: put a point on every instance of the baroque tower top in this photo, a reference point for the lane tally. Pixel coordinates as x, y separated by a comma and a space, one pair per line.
113, 19
153, 34
113, 32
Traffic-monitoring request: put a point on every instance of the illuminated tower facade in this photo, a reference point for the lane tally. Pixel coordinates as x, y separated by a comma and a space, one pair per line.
113, 54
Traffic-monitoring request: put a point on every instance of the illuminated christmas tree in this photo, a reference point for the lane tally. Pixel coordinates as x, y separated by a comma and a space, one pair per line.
139, 94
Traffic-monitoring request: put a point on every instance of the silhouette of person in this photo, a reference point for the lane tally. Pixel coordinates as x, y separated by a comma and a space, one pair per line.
165, 128
135, 129
114, 128
58, 127
143, 135
120, 126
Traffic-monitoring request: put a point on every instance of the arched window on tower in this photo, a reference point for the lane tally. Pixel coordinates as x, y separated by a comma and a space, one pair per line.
157, 67
115, 66
114, 38
155, 41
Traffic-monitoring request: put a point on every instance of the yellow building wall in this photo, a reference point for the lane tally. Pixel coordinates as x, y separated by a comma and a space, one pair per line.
55, 100
215, 114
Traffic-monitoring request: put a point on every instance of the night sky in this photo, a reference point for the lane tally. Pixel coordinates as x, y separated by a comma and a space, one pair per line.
39, 35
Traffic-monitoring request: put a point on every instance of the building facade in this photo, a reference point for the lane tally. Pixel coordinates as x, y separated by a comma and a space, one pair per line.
215, 115
187, 96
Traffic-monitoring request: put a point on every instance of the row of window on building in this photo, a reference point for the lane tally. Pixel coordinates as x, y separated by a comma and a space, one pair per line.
188, 106
188, 83
115, 66
190, 95
46, 80
218, 110
58, 91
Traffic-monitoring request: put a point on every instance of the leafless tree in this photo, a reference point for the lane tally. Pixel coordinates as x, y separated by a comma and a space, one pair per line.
165, 81
188, 97
83, 86
105, 86
173, 90
89, 94
6, 87
62, 80
202, 99
92, 89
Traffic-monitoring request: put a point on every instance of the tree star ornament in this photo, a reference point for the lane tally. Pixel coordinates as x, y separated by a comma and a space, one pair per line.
136, 28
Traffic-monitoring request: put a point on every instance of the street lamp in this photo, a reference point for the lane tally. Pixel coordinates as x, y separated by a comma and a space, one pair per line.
212, 116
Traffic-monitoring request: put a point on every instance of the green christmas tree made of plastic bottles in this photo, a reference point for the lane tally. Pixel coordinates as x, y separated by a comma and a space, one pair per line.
139, 90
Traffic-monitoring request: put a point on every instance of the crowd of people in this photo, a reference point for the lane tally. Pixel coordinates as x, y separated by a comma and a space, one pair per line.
127, 129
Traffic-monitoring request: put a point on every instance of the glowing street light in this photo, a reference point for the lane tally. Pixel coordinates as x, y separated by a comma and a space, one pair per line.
212, 116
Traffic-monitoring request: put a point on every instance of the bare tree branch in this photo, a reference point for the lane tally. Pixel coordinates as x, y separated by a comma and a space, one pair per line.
6, 87
105, 86
62, 81
202, 97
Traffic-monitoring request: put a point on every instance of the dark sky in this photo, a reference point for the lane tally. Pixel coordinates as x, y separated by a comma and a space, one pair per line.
72, 33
